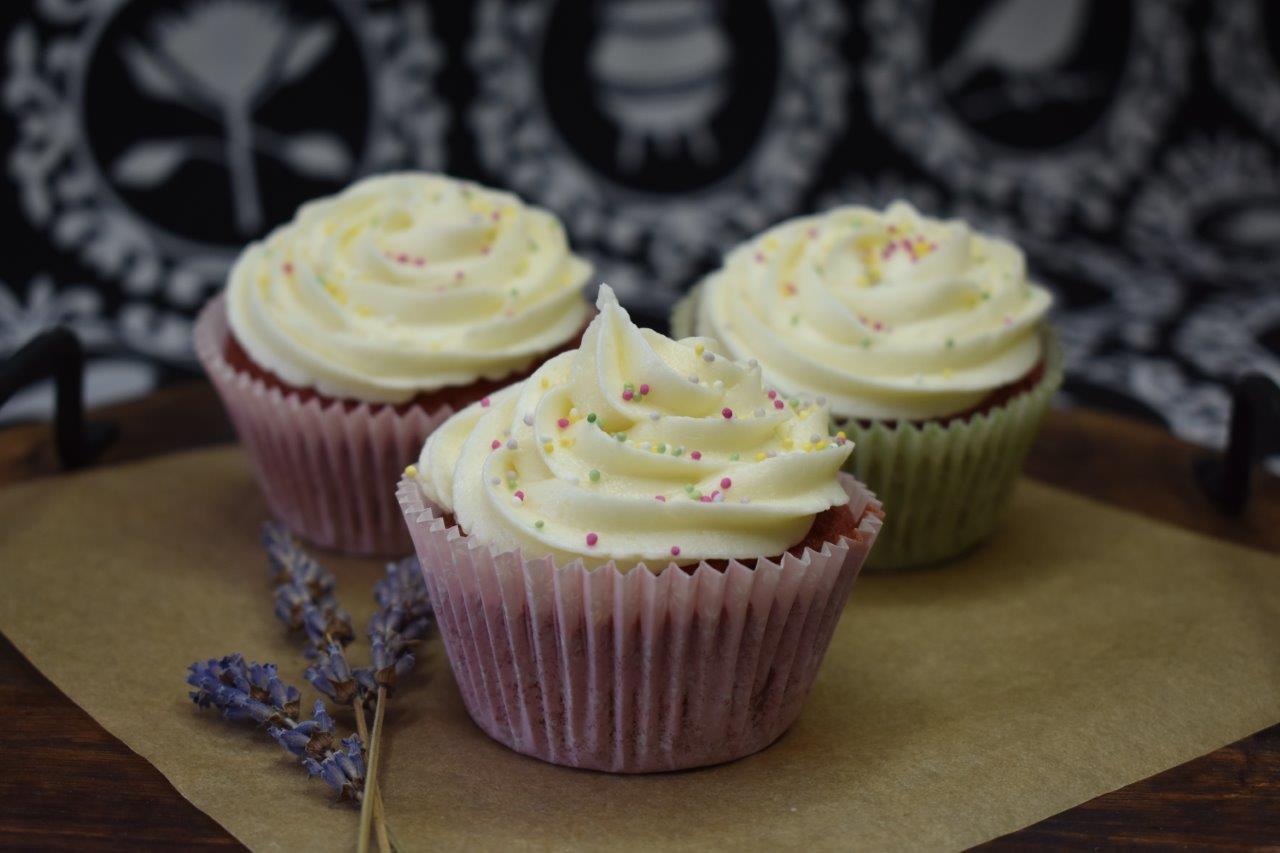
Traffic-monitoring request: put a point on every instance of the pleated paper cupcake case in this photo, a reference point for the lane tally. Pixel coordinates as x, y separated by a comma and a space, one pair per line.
633, 671
327, 473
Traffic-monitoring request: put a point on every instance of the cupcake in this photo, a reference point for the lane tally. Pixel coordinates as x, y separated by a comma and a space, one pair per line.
637, 556
926, 340
348, 334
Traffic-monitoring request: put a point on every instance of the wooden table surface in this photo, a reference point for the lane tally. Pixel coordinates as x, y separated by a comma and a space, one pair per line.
66, 783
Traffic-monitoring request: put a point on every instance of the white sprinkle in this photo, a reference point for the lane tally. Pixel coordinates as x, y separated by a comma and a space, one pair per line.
506, 432
772, 454
653, 416
573, 413
494, 481
528, 420
693, 377
821, 401
744, 500
545, 439
752, 363
644, 445
511, 473
718, 499
515, 499
759, 413
708, 357
815, 438
718, 385
511, 444
573, 481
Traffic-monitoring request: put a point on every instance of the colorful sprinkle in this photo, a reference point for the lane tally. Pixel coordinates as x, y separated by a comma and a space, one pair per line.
697, 454
594, 475
708, 357
662, 498
484, 402
773, 395
727, 412
512, 444
592, 539
495, 444
675, 550
563, 423
644, 389
519, 495
627, 395
539, 524
778, 404
622, 436
734, 457
528, 420
591, 418
411, 471
725, 482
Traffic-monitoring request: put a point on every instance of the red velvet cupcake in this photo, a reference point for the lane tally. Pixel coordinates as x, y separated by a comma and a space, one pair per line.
349, 333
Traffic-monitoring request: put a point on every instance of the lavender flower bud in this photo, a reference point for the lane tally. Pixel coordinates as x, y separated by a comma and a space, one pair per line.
331, 675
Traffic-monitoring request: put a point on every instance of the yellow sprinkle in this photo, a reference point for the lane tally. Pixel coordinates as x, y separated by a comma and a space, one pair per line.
946, 373
336, 292
770, 244
411, 471
478, 205
548, 447
788, 444
698, 348
566, 442
840, 435
364, 310
546, 383
760, 457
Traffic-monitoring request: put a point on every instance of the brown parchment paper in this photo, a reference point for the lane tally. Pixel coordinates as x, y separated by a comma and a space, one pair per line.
1083, 649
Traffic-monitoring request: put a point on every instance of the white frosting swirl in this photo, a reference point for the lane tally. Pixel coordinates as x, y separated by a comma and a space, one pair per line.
615, 452
406, 283
888, 316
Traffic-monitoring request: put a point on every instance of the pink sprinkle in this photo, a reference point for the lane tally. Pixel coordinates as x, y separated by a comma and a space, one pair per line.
495, 445
727, 412
706, 499
628, 394
713, 494
459, 275
402, 258
592, 539
773, 395
563, 423
1008, 321
893, 229
484, 250
496, 215
760, 257
790, 288
725, 483
813, 233
520, 494
644, 388
419, 262
675, 550
778, 404
697, 454
484, 401
662, 498
288, 268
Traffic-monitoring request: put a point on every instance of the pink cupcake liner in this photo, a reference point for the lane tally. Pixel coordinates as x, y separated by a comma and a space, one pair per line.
326, 471
634, 672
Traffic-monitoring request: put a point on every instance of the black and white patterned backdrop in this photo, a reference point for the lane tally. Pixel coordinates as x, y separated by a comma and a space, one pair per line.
1131, 148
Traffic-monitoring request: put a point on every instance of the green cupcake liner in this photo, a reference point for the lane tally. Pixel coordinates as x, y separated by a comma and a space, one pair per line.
944, 488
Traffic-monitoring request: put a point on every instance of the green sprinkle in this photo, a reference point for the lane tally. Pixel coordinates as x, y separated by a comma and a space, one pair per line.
985, 295
622, 436
795, 318
951, 342
594, 475
866, 343
533, 245
629, 386
677, 451
734, 457
591, 418
515, 292
661, 448
539, 524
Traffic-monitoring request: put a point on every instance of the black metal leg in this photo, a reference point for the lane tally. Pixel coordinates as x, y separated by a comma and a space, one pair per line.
1255, 432
57, 353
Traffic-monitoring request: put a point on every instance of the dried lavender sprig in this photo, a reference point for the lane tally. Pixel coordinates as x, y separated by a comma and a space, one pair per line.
305, 592
404, 617
241, 690
252, 691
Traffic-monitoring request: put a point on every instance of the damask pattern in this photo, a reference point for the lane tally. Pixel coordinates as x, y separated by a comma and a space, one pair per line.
1130, 146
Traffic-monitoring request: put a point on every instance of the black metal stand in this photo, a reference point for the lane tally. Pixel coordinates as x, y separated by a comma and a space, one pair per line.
58, 353
1255, 433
